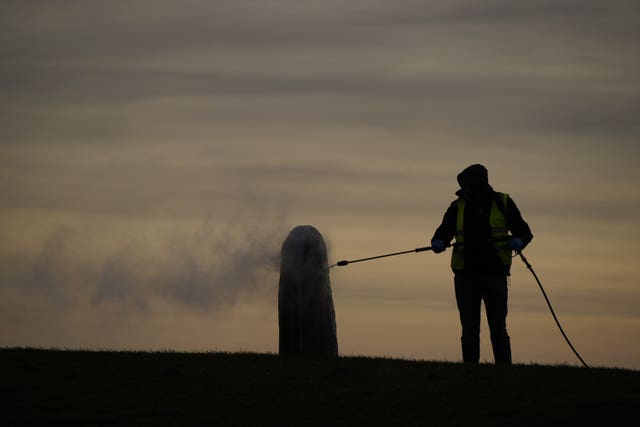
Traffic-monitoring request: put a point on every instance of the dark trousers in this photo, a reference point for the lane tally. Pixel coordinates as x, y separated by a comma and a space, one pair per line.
470, 292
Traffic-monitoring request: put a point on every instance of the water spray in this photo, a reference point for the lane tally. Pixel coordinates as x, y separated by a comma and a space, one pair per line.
518, 253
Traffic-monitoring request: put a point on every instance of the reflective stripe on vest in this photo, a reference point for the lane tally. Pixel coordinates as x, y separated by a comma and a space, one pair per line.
499, 232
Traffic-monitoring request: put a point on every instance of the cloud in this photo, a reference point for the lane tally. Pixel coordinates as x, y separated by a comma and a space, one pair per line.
229, 72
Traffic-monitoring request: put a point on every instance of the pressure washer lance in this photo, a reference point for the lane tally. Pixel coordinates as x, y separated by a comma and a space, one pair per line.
424, 249
518, 253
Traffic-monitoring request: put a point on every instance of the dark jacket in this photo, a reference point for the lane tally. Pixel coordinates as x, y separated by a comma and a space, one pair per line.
480, 257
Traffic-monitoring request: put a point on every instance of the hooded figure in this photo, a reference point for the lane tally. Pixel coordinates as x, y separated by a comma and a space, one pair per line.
487, 227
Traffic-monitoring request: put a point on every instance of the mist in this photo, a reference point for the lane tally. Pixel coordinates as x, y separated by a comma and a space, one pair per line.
205, 268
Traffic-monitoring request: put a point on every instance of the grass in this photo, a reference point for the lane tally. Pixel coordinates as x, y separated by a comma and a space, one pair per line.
46, 387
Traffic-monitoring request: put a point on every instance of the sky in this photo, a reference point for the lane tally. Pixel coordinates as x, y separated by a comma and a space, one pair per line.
155, 154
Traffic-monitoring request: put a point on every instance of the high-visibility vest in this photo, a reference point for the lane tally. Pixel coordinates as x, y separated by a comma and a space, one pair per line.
499, 233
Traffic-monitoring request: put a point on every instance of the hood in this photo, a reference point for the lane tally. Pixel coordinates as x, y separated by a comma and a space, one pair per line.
474, 180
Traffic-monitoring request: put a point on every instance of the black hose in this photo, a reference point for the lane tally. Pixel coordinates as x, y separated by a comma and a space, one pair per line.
551, 308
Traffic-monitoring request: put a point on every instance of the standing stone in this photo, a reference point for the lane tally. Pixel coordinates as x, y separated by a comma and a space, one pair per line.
306, 316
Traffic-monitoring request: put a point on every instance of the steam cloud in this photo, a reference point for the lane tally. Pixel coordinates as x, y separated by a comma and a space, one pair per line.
206, 269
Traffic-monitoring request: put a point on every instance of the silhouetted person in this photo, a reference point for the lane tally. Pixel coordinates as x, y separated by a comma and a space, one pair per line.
480, 220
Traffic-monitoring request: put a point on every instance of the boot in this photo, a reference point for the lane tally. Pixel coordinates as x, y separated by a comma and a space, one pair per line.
501, 349
470, 349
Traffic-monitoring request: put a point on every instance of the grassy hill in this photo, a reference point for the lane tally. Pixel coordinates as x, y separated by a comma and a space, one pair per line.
44, 387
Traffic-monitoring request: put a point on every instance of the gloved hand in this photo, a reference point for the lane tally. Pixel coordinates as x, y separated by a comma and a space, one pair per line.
515, 244
438, 246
